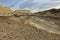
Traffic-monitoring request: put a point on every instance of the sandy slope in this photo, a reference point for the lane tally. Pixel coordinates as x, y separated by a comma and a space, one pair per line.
40, 23
19, 30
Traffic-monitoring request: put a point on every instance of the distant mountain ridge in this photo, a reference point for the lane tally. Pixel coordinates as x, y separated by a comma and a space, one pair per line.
53, 12
6, 11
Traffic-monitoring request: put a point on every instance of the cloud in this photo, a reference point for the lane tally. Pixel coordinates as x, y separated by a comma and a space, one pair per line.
40, 4
35, 5
57, 6
7, 2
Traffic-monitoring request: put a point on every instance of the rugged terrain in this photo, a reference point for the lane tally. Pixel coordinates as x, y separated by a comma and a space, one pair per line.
23, 25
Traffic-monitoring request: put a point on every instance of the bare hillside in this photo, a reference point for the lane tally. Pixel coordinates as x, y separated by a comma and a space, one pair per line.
23, 25
19, 30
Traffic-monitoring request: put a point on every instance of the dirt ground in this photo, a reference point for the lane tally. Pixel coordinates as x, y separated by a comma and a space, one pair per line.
17, 30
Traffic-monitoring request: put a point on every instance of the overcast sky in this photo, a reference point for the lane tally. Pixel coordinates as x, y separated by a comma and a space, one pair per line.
34, 5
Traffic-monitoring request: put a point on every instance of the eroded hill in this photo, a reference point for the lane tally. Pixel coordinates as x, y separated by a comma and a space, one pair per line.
23, 25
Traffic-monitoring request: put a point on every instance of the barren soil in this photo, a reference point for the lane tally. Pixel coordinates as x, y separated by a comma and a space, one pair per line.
16, 30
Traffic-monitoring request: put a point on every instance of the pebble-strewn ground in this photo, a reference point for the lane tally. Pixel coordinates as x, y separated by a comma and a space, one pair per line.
17, 30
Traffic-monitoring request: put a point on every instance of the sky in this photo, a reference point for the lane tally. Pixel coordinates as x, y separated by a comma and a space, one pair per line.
32, 5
